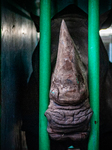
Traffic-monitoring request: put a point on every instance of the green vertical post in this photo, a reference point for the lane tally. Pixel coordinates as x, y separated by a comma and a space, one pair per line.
44, 72
93, 69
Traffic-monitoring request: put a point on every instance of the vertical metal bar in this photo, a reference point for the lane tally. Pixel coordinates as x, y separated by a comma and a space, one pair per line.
93, 64
44, 72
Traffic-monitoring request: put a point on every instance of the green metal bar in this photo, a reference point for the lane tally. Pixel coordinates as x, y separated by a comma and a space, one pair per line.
44, 72
93, 68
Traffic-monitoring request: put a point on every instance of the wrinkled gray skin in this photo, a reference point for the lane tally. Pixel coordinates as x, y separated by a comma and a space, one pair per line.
76, 21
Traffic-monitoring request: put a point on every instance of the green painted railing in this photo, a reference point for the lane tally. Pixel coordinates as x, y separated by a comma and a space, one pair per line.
93, 68
44, 72
44, 79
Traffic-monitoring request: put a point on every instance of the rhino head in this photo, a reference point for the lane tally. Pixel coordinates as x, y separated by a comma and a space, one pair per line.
69, 111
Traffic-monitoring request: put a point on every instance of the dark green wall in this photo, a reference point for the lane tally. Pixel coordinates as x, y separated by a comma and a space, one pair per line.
57, 5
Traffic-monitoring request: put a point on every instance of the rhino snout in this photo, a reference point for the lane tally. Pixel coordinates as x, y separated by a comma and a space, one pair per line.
69, 111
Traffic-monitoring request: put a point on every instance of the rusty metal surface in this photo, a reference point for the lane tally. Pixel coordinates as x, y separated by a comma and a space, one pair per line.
18, 42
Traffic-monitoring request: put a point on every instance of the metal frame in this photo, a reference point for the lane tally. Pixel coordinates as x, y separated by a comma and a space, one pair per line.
44, 72
44, 79
93, 71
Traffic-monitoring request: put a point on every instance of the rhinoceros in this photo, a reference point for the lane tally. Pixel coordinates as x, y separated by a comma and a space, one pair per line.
69, 111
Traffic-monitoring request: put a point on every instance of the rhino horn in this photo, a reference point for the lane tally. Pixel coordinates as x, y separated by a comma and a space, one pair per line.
69, 80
